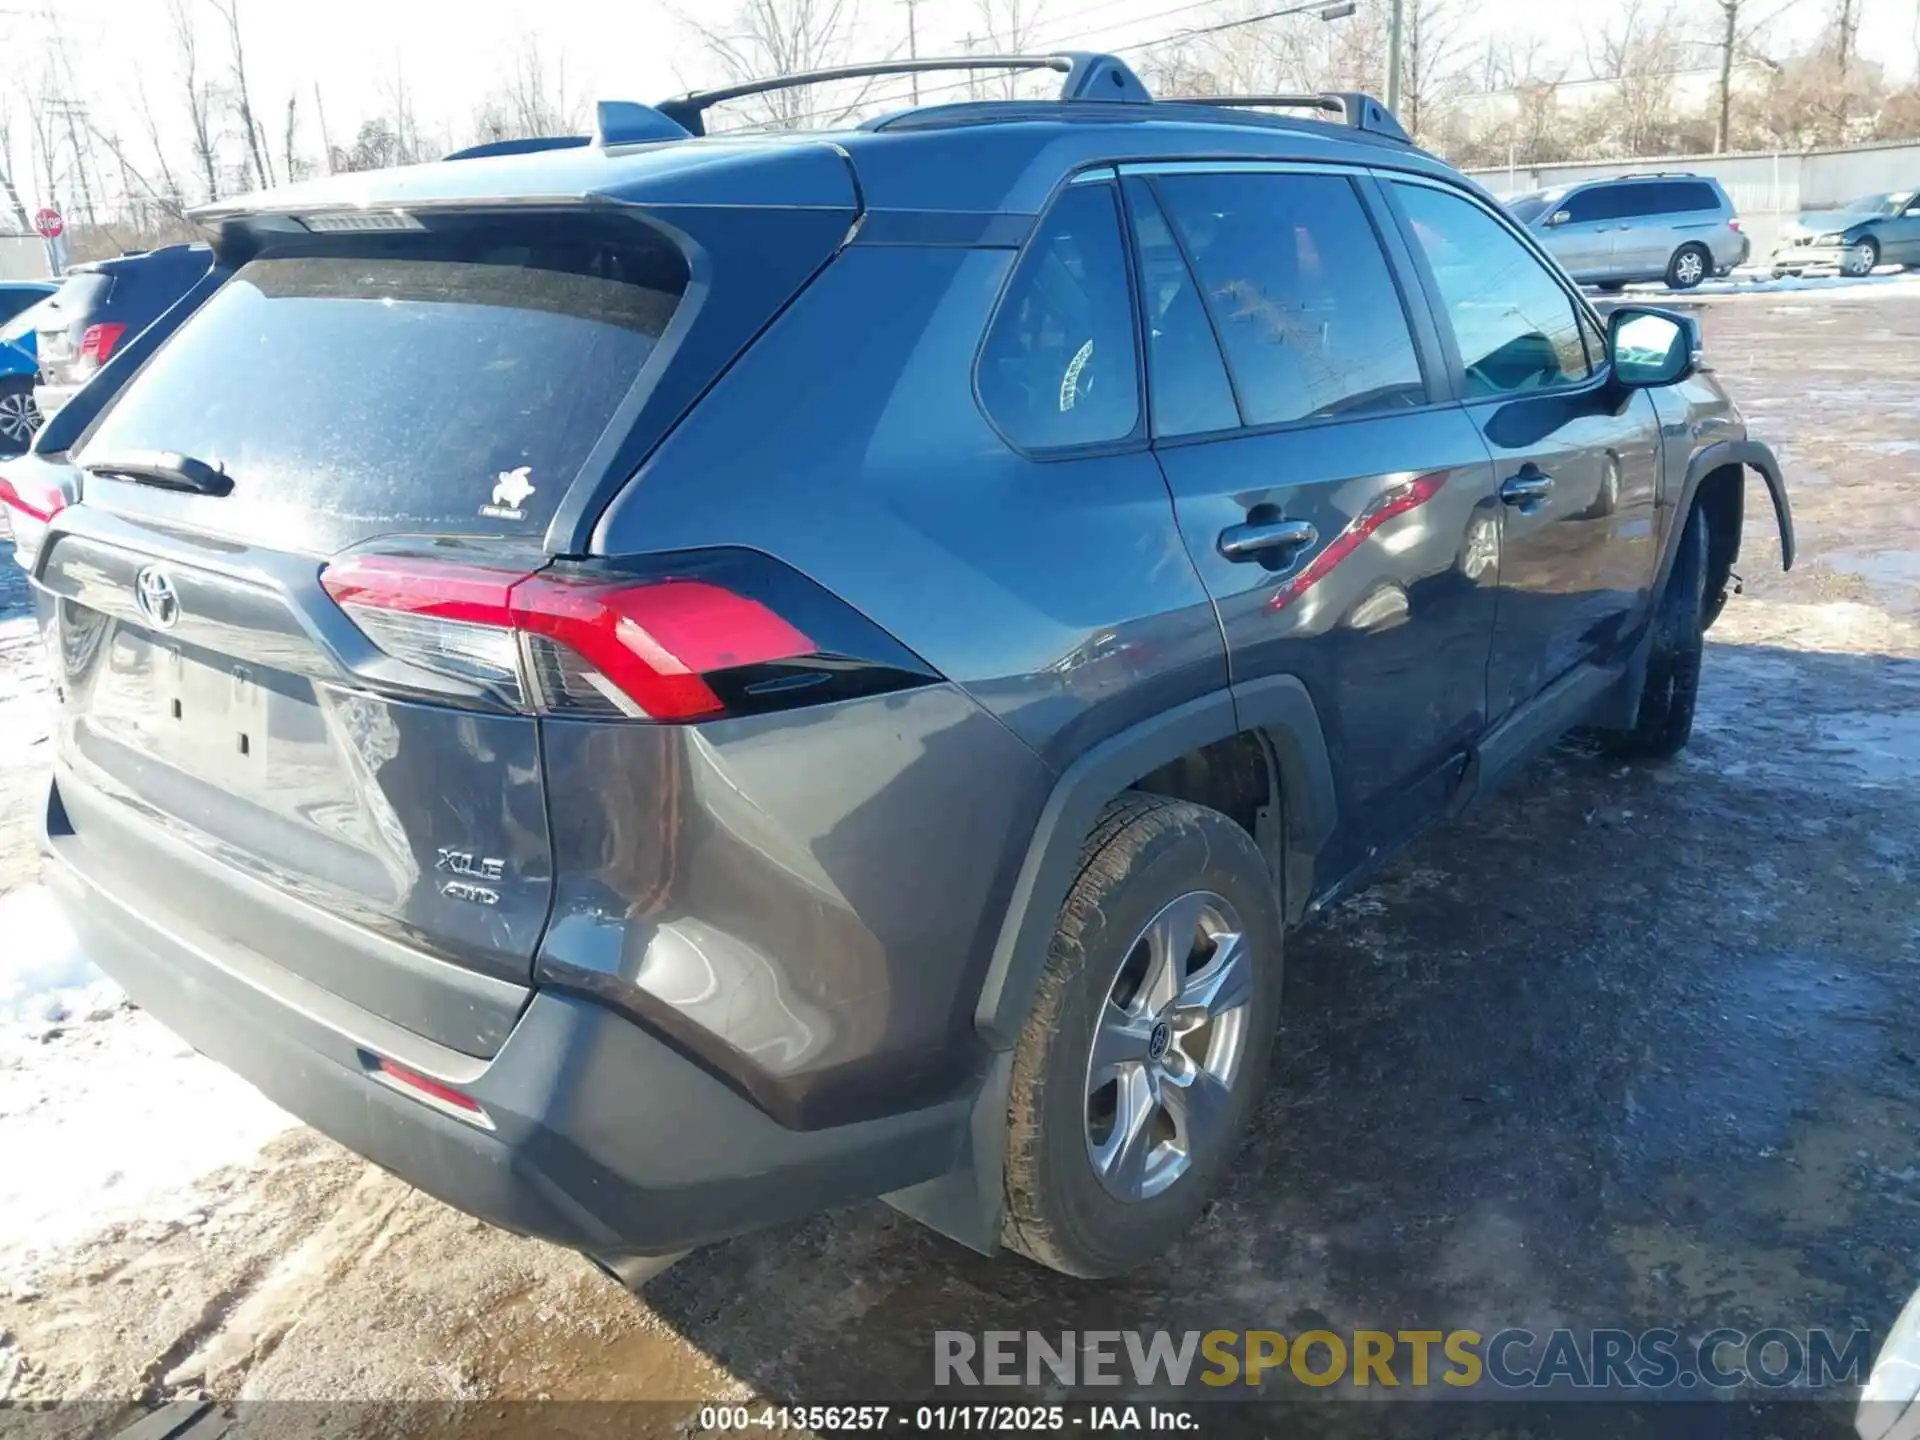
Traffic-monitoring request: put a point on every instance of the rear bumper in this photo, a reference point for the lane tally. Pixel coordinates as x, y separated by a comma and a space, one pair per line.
603, 1138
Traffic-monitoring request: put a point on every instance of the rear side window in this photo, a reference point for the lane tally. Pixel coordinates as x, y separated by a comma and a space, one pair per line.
454, 380
1059, 366
1300, 293
1694, 195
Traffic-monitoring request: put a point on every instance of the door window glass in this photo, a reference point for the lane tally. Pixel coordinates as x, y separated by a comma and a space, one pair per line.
1587, 205
1300, 293
1517, 329
1186, 379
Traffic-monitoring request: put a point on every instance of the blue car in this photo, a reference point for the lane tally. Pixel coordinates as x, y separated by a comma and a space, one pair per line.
19, 417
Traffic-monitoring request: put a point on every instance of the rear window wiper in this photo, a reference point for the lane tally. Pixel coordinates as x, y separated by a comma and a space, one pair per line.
162, 469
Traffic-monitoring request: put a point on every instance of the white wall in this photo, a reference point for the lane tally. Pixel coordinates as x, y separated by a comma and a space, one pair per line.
23, 257
1767, 190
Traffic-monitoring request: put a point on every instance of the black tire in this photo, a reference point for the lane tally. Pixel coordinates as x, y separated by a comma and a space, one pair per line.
1861, 258
1610, 287
1145, 852
1684, 276
1665, 722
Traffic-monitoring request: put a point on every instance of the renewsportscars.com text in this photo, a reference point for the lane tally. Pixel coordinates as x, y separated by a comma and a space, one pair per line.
1513, 1359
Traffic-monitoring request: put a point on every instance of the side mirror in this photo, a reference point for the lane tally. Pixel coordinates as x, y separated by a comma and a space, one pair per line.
1560, 217
1650, 348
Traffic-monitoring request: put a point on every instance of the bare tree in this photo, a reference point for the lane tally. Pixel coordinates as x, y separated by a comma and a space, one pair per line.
250, 127
170, 183
1433, 54
287, 137
7, 185
199, 96
1738, 25
1009, 27
1639, 51
779, 37
528, 101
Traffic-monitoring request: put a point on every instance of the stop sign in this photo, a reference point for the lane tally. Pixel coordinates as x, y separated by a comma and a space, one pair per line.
48, 222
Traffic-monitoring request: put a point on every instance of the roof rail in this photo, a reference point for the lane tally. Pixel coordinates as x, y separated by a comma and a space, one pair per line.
1657, 175
1090, 76
1356, 110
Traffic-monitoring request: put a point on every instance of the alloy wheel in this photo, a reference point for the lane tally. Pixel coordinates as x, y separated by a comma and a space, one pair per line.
19, 417
1168, 1047
1865, 256
1689, 269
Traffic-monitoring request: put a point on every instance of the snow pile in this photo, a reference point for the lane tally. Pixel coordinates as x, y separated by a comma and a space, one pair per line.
43, 974
105, 1116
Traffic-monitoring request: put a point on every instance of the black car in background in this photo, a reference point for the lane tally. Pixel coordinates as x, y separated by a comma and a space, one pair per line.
101, 306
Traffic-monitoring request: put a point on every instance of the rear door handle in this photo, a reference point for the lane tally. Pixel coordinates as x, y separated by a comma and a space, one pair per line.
1267, 538
1529, 487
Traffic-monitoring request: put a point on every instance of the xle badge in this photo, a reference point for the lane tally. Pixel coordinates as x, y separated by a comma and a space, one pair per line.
479, 867
510, 491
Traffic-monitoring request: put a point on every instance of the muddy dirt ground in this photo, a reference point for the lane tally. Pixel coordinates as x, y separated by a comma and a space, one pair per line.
1622, 1047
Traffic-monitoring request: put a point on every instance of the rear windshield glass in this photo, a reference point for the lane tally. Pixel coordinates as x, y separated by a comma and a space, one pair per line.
444, 381
77, 295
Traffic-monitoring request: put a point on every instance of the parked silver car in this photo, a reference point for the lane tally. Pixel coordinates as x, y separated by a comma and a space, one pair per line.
1678, 228
1853, 238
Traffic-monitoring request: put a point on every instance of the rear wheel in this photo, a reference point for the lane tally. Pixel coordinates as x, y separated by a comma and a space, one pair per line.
1665, 722
1611, 287
1861, 258
1149, 1039
1690, 265
19, 416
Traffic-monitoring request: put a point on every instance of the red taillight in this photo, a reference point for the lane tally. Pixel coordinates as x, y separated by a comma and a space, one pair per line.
38, 500
31, 500
563, 644
1733, 224
97, 342
444, 1095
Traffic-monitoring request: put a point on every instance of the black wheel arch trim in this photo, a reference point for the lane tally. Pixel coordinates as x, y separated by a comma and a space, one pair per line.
965, 1204
1747, 454
1278, 707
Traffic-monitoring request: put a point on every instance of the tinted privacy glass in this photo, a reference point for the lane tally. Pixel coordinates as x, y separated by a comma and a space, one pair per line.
1300, 293
1185, 376
443, 381
1601, 204
1515, 326
1059, 366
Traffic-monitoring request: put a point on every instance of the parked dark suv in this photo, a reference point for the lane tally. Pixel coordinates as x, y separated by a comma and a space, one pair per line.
667, 683
100, 306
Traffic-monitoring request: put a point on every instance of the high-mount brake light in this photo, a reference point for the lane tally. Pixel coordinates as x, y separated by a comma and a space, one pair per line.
683, 645
359, 222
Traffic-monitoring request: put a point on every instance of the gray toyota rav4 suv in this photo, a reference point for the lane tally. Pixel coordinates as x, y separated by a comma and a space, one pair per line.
662, 683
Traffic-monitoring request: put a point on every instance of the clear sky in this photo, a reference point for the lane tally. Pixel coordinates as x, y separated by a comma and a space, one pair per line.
448, 50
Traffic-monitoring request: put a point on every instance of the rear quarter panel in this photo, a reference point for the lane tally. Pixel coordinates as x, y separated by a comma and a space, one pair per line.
1057, 596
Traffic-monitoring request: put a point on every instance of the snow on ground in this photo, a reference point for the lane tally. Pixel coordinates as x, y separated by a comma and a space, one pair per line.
105, 1116
43, 976
1891, 282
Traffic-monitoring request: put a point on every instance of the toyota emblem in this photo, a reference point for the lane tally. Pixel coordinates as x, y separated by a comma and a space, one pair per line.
154, 593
